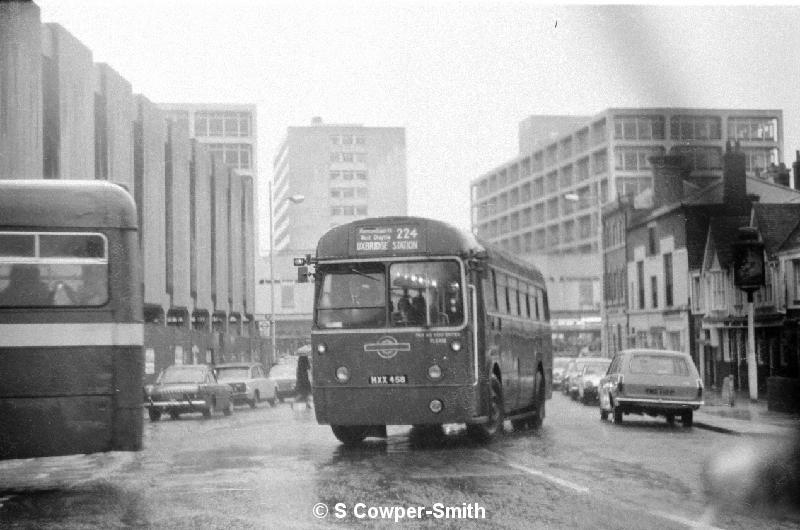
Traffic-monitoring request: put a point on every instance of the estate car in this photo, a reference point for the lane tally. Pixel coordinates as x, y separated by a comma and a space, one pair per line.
653, 382
249, 382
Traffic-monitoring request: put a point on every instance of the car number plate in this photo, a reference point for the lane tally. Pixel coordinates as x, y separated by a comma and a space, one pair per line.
388, 379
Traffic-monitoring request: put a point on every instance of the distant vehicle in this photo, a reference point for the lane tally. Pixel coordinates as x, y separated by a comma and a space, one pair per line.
559, 365
588, 380
284, 376
418, 323
570, 382
249, 382
71, 331
652, 382
187, 388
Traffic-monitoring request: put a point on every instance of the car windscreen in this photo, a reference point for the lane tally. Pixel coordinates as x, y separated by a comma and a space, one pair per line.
659, 365
596, 368
182, 374
233, 372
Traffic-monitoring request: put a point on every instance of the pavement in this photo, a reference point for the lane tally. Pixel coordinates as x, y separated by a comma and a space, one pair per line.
744, 417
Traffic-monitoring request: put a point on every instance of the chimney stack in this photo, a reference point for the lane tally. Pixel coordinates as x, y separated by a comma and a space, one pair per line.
668, 174
796, 168
734, 180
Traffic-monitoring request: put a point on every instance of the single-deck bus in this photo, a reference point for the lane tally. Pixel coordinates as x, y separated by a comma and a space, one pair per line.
417, 323
71, 330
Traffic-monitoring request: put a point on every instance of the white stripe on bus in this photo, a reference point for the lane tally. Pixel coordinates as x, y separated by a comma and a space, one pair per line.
72, 334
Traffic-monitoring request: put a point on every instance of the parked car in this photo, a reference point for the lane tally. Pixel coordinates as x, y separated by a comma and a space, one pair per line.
559, 365
589, 379
284, 375
187, 388
652, 382
249, 382
573, 371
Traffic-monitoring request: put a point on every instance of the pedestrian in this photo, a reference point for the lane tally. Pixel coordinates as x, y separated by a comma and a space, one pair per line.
302, 387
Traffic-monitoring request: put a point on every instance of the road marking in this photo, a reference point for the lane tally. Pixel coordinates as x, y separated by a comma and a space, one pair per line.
683, 520
535, 472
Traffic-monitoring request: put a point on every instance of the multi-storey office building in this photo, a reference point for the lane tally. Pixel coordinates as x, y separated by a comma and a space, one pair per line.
342, 172
67, 117
544, 204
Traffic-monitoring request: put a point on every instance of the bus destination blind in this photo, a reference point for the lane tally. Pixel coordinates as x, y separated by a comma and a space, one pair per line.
388, 239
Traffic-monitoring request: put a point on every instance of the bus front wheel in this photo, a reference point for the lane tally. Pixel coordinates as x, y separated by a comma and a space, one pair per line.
539, 392
484, 432
349, 434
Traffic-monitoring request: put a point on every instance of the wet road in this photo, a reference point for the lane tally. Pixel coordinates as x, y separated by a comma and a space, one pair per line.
275, 467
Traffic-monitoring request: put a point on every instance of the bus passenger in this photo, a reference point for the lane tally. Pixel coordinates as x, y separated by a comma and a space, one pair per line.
25, 288
418, 308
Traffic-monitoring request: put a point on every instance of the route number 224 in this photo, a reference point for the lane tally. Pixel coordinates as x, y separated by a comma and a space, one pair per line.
406, 233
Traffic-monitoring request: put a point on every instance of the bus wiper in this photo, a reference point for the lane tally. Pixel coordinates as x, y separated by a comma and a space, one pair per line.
364, 275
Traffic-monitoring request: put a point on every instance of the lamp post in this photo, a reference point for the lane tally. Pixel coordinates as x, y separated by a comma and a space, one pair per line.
576, 197
748, 275
296, 199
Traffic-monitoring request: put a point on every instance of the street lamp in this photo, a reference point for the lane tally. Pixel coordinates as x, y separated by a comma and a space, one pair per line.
595, 196
296, 199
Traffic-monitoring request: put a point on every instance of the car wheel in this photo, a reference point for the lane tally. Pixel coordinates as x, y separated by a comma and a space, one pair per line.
228, 410
603, 415
349, 434
154, 414
671, 419
687, 418
617, 413
484, 432
253, 402
175, 415
211, 407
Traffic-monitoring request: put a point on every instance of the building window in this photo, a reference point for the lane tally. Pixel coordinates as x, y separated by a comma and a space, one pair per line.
758, 160
347, 175
695, 128
347, 139
361, 157
361, 140
347, 157
654, 290
600, 162
333, 175
361, 210
639, 127
651, 241
668, 301
699, 157
361, 175
236, 155
753, 129
635, 159
585, 293
640, 280
334, 140
336, 193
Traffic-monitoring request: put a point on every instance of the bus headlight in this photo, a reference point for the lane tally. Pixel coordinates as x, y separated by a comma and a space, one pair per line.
342, 374
321, 348
455, 345
435, 372
436, 406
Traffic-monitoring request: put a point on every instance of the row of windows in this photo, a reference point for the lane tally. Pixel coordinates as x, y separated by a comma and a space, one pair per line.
347, 175
347, 139
635, 158
516, 297
347, 193
753, 129
530, 217
537, 162
349, 210
339, 156
222, 124
639, 127
542, 238
237, 155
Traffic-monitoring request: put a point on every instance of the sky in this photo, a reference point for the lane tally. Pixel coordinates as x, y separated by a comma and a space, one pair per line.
459, 76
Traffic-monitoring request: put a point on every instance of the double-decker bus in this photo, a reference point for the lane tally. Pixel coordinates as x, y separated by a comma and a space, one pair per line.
71, 330
418, 323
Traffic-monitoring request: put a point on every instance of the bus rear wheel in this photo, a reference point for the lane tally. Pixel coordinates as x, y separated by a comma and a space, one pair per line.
349, 434
538, 386
154, 414
483, 432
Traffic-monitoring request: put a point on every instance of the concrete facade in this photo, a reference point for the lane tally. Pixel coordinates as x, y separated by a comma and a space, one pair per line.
63, 116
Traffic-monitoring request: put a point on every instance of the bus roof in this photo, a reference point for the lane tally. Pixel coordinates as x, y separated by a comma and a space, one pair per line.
411, 236
65, 203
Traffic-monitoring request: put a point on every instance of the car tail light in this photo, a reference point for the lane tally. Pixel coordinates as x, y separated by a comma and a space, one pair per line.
699, 389
620, 386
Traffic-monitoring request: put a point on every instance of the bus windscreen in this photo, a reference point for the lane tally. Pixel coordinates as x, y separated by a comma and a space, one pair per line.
419, 293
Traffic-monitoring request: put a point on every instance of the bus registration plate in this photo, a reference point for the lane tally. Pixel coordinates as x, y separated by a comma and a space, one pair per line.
388, 379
